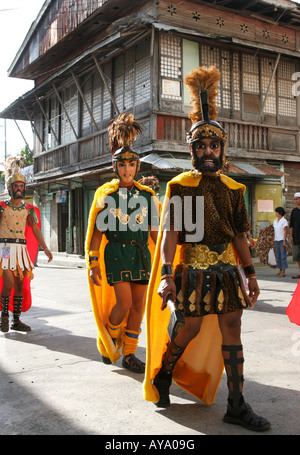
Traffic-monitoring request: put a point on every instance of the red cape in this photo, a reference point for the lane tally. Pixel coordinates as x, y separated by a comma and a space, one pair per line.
293, 310
32, 248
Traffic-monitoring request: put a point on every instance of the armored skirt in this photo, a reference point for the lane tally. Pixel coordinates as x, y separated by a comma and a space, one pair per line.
207, 278
13, 249
125, 221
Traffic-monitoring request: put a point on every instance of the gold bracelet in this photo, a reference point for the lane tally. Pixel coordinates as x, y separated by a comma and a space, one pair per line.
94, 253
166, 276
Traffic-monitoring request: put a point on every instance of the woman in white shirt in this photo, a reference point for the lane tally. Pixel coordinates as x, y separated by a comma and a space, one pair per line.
280, 237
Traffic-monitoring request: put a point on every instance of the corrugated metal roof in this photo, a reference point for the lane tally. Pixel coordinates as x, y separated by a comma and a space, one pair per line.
235, 168
167, 163
249, 168
256, 169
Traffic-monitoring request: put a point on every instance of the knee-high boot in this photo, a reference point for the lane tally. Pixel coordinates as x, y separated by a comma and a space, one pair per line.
238, 411
4, 314
163, 379
17, 324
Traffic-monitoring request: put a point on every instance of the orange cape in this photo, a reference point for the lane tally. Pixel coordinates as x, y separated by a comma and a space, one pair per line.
200, 368
103, 297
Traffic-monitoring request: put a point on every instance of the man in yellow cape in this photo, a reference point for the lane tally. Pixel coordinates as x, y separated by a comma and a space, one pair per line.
201, 276
198, 375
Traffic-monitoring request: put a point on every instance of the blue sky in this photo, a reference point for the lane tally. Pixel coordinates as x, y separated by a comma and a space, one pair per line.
16, 17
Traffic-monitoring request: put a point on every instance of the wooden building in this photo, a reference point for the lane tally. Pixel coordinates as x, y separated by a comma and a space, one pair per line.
93, 59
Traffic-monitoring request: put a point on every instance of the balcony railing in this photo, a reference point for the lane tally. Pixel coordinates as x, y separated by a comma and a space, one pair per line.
240, 135
171, 130
71, 154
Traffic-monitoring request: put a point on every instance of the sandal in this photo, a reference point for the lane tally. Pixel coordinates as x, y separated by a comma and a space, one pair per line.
132, 363
19, 326
244, 415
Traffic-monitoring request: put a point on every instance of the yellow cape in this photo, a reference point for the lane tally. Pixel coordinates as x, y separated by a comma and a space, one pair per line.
200, 369
103, 297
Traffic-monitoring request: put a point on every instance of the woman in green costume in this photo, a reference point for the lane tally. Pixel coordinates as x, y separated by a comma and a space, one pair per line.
123, 214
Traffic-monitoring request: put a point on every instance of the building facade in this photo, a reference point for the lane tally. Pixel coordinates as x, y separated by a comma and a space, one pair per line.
92, 60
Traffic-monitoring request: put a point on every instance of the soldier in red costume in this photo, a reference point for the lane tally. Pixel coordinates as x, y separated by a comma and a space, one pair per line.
20, 237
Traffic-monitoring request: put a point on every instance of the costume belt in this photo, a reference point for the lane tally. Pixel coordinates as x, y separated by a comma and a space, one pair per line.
199, 256
6, 240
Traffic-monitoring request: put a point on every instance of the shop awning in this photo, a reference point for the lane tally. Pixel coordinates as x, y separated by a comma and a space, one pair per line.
232, 168
167, 162
254, 170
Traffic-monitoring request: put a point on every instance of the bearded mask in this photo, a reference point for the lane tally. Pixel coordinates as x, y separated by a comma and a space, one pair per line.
203, 87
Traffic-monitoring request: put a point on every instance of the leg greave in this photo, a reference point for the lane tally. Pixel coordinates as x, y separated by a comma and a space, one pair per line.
163, 379
233, 360
130, 342
17, 301
171, 356
115, 333
4, 305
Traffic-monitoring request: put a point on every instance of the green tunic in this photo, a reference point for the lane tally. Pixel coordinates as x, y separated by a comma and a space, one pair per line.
125, 221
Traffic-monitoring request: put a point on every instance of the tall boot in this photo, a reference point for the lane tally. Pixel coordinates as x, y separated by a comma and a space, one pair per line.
4, 313
163, 379
17, 324
130, 361
238, 411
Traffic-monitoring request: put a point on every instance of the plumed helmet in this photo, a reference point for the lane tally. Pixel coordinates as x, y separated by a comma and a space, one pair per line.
13, 165
203, 87
123, 131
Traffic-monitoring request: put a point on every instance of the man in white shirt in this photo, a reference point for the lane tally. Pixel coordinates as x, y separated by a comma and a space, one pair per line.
281, 248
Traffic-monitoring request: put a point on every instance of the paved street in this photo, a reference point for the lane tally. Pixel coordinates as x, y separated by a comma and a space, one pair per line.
52, 381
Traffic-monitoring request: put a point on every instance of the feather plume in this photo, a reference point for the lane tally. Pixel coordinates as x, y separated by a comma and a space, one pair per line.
13, 164
123, 132
150, 181
198, 80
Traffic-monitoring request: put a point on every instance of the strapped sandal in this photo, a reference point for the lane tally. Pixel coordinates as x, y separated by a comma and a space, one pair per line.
19, 326
246, 417
132, 363
239, 412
